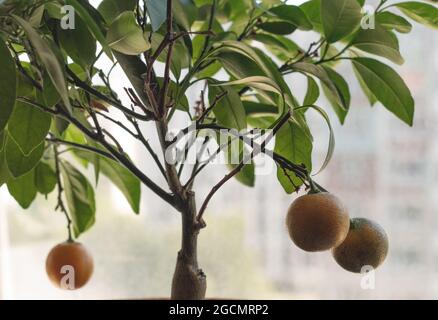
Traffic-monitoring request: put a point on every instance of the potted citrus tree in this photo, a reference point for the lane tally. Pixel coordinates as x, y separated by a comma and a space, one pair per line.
56, 104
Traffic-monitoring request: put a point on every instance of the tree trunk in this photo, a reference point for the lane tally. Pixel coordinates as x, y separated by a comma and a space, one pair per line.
189, 282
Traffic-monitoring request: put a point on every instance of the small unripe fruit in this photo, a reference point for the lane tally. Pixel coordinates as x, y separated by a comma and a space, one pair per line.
69, 265
317, 222
366, 245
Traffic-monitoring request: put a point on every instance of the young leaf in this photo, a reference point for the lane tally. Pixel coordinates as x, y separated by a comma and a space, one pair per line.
380, 42
28, 127
8, 84
387, 86
126, 36
48, 59
423, 13
23, 189
18, 163
229, 110
80, 198
340, 18
45, 178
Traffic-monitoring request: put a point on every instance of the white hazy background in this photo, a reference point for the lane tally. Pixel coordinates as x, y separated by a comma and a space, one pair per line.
382, 169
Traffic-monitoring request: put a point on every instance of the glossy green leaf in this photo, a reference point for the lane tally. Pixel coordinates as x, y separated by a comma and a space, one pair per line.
93, 25
340, 18
8, 84
23, 189
319, 72
421, 12
294, 15
122, 178
294, 144
18, 163
229, 110
79, 43
126, 36
80, 198
45, 178
392, 21
387, 86
341, 109
380, 42
28, 127
312, 10
312, 93
277, 27
111, 9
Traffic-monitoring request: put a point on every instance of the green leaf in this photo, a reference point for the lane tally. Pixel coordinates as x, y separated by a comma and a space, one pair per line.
370, 96
312, 9
48, 59
343, 91
294, 144
157, 11
380, 42
5, 176
331, 144
126, 36
340, 18
45, 178
392, 21
18, 163
294, 15
252, 107
319, 72
122, 178
257, 82
110, 9
246, 176
185, 13
23, 189
423, 13
8, 84
387, 86
79, 43
277, 27
28, 127
312, 93
80, 198
282, 47
229, 110
90, 21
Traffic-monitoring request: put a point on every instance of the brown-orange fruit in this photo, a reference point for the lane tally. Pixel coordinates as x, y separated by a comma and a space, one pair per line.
69, 265
366, 245
317, 222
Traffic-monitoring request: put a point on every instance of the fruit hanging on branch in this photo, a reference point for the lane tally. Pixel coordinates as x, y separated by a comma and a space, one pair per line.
366, 245
69, 265
317, 222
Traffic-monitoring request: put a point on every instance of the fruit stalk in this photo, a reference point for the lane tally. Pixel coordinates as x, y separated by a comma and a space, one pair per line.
189, 281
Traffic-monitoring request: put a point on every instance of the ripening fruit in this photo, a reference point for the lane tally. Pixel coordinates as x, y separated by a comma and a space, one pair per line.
366, 245
69, 265
317, 222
